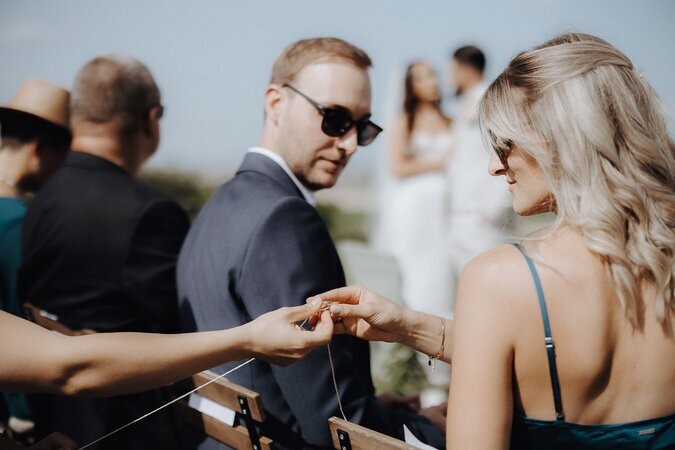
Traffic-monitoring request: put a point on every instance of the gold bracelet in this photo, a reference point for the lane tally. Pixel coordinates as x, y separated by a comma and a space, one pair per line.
432, 359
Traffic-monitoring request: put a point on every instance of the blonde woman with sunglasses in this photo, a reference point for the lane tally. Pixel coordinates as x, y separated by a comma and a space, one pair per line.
565, 340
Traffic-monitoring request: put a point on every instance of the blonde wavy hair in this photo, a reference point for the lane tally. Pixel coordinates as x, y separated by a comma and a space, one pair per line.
578, 106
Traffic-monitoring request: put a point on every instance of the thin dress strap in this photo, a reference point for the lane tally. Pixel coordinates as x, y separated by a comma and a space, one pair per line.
548, 340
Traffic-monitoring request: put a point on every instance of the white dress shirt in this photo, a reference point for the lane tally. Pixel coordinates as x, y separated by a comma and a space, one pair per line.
309, 196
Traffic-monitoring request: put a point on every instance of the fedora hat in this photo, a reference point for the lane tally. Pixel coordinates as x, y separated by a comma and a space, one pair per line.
39, 101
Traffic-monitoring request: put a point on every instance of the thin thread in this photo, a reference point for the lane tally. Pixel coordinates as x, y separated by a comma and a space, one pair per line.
332, 371
170, 403
337, 391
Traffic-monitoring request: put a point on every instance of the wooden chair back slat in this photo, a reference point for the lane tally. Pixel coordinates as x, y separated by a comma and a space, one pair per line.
361, 438
45, 320
227, 394
236, 437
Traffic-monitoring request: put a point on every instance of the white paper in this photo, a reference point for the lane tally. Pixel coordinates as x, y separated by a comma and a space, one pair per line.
410, 438
212, 409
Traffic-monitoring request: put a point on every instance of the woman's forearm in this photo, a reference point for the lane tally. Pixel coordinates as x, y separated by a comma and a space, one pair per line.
425, 333
403, 163
37, 360
150, 361
368, 315
122, 363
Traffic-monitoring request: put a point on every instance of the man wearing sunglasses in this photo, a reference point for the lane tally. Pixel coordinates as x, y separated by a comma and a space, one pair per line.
259, 244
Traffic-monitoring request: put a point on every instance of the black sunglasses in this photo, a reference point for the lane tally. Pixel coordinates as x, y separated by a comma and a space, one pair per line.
337, 122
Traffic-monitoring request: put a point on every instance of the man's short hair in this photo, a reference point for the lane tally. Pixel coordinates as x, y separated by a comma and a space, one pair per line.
471, 56
113, 86
302, 53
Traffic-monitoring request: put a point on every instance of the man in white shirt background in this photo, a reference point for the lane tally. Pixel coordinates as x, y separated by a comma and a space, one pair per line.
480, 205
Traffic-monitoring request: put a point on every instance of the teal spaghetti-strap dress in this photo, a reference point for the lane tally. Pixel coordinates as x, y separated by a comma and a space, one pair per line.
652, 434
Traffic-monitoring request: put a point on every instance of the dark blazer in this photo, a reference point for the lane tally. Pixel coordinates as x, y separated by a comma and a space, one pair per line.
99, 251
256, 246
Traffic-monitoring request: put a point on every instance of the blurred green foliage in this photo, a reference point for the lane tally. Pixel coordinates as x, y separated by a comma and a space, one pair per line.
191, 192
398, 370
187, 189
344, 225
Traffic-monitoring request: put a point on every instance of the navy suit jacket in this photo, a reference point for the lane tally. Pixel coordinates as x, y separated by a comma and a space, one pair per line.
256, 246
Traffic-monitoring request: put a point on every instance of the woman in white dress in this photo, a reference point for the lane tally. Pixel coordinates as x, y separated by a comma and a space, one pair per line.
419, 151
417, 207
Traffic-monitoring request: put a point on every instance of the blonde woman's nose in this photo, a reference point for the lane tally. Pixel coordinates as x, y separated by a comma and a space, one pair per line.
496, 167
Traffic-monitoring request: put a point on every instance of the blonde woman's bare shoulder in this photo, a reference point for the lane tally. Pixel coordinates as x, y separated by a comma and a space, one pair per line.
499, 275
490, 295
497, 263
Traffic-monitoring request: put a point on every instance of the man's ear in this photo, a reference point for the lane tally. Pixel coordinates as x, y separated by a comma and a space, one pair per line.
34, 151
274, 100
151, 121
153, 114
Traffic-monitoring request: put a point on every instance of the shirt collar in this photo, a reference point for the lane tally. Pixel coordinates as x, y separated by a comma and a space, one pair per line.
309, 196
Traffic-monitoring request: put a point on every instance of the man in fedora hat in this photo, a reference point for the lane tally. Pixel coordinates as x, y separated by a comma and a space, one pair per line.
35, 140
100, 246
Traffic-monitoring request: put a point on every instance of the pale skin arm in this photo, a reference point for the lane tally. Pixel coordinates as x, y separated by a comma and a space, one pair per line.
404, 164
480, 406
370, 316
37, 360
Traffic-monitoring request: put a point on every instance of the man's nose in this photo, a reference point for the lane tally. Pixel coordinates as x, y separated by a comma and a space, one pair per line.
496, 167
349, 141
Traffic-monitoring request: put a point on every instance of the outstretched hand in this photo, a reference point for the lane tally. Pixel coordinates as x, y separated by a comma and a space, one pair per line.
275, 337
365, 314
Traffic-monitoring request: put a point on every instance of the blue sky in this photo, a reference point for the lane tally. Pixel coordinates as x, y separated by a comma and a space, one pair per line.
213, 58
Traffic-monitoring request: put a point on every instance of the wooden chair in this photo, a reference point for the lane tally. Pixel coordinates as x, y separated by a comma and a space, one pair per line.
50, 321
349, 436
230, 395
